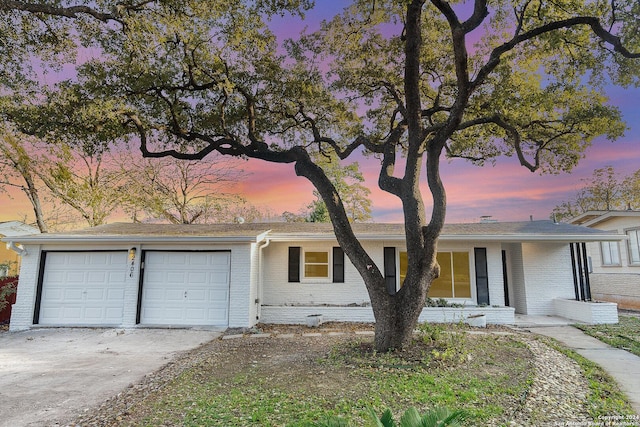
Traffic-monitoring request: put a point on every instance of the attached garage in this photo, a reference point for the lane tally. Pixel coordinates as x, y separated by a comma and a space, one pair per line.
82, 289
181, 288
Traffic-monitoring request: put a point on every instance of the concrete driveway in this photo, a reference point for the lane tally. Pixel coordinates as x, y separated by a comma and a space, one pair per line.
51, 375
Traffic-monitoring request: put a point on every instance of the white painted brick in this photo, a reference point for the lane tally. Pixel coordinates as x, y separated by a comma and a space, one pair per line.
547, 274
22, 310
587, 312
298, 315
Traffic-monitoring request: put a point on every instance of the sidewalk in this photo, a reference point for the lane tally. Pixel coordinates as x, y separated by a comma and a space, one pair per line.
623, 366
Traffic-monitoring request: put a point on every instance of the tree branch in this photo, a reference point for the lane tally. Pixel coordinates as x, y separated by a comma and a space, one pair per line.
66, 12
594, 23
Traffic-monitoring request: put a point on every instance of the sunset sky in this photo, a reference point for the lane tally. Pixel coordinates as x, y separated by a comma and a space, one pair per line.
508, 192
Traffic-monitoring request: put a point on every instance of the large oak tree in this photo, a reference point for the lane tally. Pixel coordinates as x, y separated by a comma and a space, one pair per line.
408, 82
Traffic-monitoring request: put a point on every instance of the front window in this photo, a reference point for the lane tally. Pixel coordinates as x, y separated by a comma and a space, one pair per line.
610, 253
634, 246
316, 264
455, 277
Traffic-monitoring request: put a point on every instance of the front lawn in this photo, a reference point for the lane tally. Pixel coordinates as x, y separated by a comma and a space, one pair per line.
297, 380
624, 335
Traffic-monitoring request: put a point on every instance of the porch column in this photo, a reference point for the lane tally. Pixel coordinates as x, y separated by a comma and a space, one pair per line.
580, 267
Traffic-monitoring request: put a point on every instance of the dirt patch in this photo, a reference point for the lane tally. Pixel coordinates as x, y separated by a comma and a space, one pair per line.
335, 368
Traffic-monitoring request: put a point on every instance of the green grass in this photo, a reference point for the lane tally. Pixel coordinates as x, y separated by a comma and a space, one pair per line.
484, 375
624, 335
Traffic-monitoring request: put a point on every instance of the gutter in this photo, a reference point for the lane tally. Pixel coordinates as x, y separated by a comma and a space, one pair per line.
289, 237
69, 239
258, 300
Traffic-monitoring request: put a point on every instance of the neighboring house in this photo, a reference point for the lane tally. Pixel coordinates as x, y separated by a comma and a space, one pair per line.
236, 275
615, 273
10, 259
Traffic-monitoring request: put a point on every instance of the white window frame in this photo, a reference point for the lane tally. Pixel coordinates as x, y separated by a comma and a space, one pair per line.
607, 250
303, 264
633, 246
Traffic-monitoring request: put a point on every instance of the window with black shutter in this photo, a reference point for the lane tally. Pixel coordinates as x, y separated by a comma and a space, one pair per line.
294, 263
338, 265
390, 269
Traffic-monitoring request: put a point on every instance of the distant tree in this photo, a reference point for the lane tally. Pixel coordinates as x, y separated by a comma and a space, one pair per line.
18, 170
631, 190
409, 82
183, 192
604, 191
347, 181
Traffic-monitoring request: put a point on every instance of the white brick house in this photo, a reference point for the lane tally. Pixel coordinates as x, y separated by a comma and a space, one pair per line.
615, 275
236, 275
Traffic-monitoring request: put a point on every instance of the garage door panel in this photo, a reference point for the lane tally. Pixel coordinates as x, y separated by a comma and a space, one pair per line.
196, 295
196, 259
197, 277
72, 313
175, 276
83, 288
95, 295
192, 288
72, 277
72, 295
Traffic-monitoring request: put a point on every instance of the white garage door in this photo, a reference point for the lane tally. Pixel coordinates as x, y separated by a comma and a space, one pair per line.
83, 288
185, 288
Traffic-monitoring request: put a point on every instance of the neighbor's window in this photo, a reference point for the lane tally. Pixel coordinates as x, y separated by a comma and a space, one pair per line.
455, 277
634, 246
316, 264
610, 253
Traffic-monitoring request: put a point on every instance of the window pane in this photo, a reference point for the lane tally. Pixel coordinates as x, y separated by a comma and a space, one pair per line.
462, 279
316, 257
606, 255
316, 270
441, 287
403, 267
634, 246
610, 254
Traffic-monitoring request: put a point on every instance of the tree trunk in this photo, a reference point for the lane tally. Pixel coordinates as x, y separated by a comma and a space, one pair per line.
32, 194
397, 315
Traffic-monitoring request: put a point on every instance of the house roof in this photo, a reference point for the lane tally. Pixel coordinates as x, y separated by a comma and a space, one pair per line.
591, 218
16, 228
283, 231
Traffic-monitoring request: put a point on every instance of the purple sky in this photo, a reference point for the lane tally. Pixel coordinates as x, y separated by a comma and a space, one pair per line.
508, 192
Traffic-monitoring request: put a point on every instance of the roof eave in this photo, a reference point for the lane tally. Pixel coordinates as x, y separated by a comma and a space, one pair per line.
135, 239
462, 237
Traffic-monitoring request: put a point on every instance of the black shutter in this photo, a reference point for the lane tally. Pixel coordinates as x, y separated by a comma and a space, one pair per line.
482, 275
505, 275
338, 265
294, 264
390, 269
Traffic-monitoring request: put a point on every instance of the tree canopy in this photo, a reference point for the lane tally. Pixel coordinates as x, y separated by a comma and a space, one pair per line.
605, 190
406, 82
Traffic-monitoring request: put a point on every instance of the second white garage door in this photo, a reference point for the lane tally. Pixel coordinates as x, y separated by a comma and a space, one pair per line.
185, 288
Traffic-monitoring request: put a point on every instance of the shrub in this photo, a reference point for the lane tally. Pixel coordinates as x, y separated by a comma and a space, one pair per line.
437, 417
7, 288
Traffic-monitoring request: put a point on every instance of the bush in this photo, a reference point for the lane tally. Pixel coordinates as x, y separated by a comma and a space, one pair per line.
437, 417
8, 287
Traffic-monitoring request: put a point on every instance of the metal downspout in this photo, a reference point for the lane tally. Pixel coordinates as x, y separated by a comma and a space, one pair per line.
258, 300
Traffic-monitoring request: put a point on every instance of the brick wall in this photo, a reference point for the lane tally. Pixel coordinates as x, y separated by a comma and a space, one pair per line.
623, 289
22, 312
547, 274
